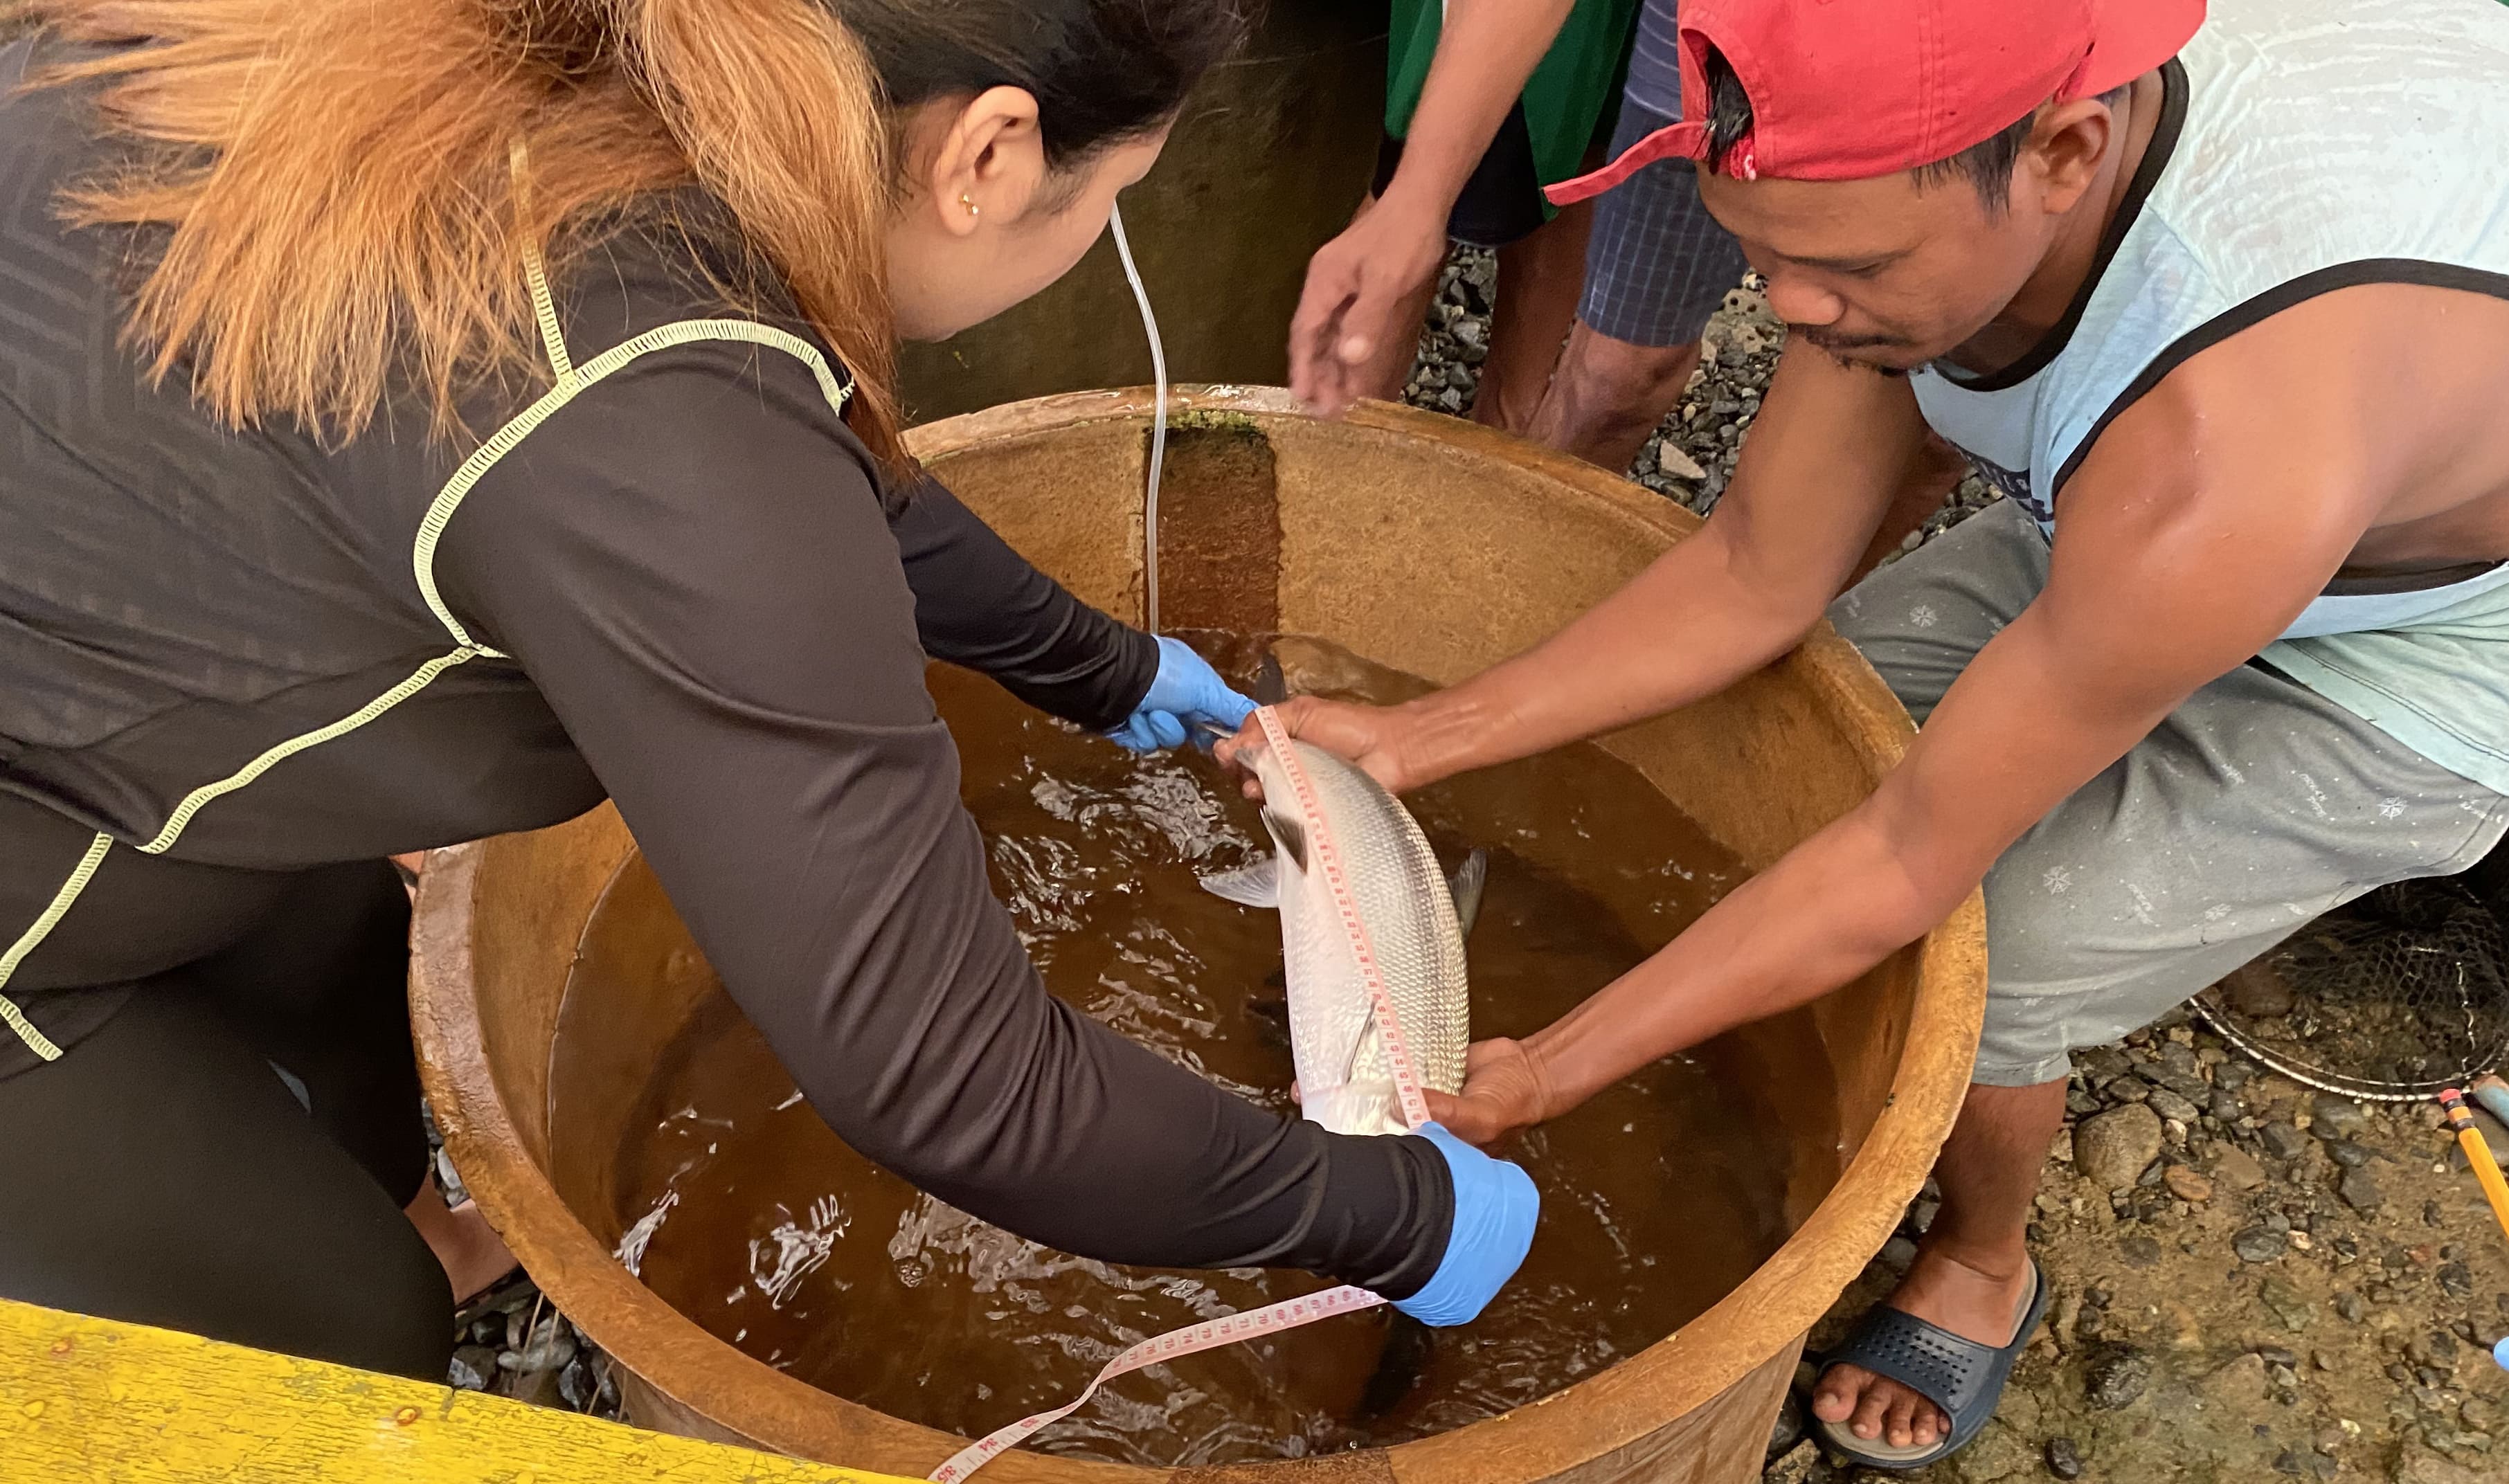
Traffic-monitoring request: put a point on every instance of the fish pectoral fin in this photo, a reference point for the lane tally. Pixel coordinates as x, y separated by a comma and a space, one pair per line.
1290, 834
1360, 1045
1466, 885
1258, 885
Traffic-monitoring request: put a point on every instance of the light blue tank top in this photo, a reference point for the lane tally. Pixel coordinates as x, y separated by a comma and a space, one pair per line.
2304, 146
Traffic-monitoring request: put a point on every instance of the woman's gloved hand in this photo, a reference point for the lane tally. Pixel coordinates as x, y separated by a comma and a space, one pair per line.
1495, 1209
1185, 693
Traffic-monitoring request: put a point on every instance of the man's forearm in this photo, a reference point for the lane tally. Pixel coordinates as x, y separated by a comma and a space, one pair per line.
1487, 51
1831, 910
1730, 599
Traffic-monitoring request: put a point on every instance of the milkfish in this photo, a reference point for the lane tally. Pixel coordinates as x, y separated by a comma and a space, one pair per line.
1414, 922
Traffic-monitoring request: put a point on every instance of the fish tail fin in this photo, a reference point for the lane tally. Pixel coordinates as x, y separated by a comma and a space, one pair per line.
1258, 885
1271, 687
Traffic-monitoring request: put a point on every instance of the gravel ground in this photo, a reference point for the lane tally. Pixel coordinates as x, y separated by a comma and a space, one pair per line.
2250, 1281
512, 1342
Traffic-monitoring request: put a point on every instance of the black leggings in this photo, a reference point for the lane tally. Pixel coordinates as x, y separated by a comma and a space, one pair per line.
164, 1171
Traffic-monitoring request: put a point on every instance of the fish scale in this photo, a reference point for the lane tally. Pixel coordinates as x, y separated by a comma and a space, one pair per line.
1382, 1013
1401, 919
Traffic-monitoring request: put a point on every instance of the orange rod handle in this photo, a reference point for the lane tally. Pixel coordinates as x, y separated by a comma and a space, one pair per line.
2486, 1170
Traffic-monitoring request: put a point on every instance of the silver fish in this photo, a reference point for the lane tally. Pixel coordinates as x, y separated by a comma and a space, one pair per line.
1414, 923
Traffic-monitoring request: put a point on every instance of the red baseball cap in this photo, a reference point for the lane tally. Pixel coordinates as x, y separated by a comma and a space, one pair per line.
1849, 89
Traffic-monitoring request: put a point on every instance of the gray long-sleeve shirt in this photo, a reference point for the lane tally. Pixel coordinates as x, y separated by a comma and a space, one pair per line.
717, 613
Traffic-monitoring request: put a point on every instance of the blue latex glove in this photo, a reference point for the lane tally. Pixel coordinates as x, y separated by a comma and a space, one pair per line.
1495, 1209
2500, 1352
1186, 692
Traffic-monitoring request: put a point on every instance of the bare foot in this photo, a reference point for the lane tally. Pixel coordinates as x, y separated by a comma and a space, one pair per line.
1968, 1300
474, 1255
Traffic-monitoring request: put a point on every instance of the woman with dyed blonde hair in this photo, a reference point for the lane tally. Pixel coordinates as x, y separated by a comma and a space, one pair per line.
424, 420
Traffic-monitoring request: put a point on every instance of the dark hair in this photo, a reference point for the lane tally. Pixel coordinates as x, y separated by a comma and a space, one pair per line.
338, 195
1729, 109
1987, 165
1101, 71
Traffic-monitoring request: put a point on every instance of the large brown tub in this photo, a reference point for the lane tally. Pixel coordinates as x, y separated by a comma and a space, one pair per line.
1422, 542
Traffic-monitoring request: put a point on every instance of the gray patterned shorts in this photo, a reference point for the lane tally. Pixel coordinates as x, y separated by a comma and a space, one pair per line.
2256, 805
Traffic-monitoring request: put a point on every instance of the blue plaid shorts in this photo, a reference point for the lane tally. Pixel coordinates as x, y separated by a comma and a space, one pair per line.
1657, 264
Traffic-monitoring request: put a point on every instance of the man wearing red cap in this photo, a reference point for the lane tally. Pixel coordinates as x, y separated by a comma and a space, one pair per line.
2222, 303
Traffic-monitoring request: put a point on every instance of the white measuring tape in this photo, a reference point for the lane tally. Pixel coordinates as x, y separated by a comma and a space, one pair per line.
1325, 857
1211, 1334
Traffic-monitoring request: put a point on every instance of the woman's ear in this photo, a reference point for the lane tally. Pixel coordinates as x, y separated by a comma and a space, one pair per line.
988, 161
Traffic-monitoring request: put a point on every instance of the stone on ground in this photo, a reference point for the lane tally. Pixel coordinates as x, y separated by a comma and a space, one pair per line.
2112, 1149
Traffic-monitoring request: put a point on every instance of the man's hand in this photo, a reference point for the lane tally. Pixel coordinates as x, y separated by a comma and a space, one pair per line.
1358, 287
1504, 1091
1374, 737
1359, 283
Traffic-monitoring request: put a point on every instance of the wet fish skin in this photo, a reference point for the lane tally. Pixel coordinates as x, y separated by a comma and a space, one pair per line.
1346, 1082
1410, 1347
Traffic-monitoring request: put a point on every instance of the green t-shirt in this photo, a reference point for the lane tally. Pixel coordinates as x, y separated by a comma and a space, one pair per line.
1570, 92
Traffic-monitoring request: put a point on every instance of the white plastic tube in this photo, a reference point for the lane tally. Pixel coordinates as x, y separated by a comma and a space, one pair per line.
1158, 425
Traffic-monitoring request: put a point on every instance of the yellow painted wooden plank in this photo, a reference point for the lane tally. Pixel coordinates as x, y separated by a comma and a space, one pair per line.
92, 1399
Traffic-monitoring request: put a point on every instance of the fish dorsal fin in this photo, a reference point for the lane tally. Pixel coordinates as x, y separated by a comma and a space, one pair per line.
1258, 885
1466, 886
1292, 834
1271, 687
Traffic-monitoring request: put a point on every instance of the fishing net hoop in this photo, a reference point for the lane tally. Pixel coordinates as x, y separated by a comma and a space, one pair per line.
2395, 996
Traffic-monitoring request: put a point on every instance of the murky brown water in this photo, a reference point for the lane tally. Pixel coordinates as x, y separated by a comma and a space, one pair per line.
750, 1216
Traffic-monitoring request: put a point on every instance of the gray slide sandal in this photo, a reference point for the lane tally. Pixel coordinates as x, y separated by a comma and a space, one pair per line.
1961, 1376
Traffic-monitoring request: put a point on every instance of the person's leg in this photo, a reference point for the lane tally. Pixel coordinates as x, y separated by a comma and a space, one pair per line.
1971, 1273
1607, 396
1657, 267
469, 1250
2254, 807
1540, 276
1500, 210
1929, 480
1923, 618
320, 989
162, 1173
1920, 622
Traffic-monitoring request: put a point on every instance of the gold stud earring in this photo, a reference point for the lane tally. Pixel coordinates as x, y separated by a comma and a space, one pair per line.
969, 203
